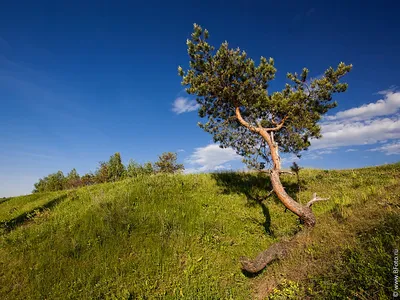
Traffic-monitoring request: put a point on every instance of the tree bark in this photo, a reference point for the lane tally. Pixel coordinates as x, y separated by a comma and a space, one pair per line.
307, 217
275, 252
304, 212
278, 250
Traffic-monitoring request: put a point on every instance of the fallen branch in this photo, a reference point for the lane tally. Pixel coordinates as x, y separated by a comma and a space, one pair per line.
316, 199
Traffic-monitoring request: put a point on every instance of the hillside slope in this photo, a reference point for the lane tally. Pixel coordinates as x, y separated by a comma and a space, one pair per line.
181, 236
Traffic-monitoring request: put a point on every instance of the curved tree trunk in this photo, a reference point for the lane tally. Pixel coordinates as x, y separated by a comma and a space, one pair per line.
281, 249
304, 212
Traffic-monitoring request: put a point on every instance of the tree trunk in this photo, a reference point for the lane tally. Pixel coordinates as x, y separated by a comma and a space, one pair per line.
304, 212
281, 249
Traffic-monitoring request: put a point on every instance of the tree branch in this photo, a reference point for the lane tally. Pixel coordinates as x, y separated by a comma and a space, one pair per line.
279, 126
243, 122
229, 119
270, 193
316, 199
280, 172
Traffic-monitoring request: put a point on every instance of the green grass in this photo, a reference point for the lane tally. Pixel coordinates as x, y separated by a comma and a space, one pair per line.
181, 237
15, 206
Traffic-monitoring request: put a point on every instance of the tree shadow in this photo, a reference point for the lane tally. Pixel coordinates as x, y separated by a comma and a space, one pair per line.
251, 275
257, 189
254, 186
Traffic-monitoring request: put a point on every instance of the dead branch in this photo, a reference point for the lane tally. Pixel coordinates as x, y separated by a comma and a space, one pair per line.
280, 172
316, 199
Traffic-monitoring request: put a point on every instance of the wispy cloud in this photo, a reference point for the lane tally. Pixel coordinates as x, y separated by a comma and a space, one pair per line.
389, 105
36, 155
210, 158
351, 150
182, 105
322, 152
306, 156
389, 149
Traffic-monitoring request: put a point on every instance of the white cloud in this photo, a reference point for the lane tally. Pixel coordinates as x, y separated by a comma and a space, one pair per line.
220, 167
389, 149
287, 160
351, 133
182, 105
324, 152
383, 107
351, 150
210, 158
389, 90
180, 150
372, 123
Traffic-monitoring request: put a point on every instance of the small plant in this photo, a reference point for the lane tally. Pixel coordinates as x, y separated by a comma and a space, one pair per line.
296, 169
287, 290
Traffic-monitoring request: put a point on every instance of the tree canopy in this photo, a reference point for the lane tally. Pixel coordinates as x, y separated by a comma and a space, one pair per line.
233, 95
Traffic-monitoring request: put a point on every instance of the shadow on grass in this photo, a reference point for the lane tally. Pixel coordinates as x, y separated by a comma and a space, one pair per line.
250, 185
251, 275
255, 187
10, 225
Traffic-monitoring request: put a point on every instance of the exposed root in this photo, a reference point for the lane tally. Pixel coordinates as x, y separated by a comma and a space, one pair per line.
276, 251
281, 249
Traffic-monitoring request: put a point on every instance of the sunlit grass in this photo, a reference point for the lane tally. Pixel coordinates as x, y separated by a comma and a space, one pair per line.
173, 236
18, 205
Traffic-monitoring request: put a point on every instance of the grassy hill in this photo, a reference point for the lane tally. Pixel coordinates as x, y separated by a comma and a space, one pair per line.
181, 237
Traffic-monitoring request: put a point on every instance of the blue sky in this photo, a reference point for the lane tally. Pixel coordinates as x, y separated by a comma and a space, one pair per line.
80, 80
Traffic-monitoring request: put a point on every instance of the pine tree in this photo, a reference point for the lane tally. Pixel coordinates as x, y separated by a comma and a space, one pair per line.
232, 93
